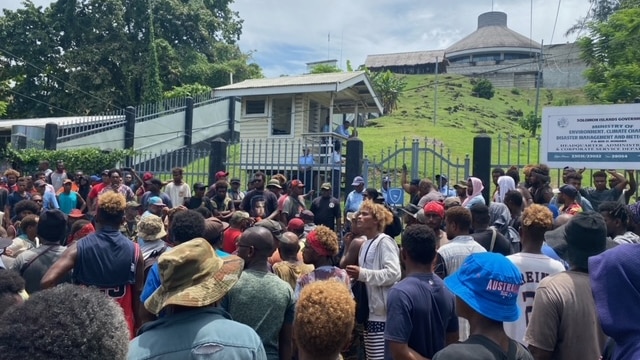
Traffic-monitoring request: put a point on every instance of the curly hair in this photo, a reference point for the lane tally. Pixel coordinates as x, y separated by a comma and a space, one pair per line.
111, 206
325, 316
28, 205
186, 225
11, 172
206, 213
327, 239
29, 220
419, 242
615, 211
460, 216
513, 197
63, 322
514, 173
382, 215
11, 284
536, 220
221, 184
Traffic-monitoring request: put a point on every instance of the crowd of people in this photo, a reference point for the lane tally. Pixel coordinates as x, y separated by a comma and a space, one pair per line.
121, 266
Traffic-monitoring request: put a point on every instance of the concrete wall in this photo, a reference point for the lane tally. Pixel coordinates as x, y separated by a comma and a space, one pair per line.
107, 140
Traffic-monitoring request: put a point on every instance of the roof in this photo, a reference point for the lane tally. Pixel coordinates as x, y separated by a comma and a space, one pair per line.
337, 83
404, 59
41, 122
492, 32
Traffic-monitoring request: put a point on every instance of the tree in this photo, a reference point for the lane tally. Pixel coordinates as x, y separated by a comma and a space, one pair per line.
530, 123
388, 88
325, 68
612, 52
482, 88
186, 90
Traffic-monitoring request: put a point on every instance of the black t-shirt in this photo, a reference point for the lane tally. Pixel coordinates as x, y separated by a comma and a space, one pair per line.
259, 203
501, 246
325, 211
478, 347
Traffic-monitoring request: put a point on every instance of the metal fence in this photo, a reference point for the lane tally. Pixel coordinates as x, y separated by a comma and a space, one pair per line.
194, 161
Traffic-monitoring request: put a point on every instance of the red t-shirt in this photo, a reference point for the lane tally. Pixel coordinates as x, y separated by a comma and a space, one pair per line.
229, 239
95, 190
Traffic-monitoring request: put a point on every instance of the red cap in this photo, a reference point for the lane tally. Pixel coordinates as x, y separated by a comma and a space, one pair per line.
147, 176
220, 174
295, 225
296, 183
434, 207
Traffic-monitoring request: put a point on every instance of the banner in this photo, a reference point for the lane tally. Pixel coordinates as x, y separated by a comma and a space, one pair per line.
594, 136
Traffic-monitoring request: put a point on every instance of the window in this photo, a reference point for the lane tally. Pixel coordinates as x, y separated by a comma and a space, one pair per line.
281, 117
256, 107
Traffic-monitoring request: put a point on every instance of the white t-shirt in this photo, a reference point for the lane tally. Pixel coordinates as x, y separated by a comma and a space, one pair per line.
177, 193
533, 267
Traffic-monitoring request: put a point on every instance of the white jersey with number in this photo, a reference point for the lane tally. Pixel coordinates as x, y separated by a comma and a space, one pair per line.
534, 268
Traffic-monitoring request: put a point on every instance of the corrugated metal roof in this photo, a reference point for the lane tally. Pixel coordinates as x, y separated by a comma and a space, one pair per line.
406, 58
493, 37
309, 79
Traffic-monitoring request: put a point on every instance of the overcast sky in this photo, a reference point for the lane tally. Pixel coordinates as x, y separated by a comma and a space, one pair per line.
284, 35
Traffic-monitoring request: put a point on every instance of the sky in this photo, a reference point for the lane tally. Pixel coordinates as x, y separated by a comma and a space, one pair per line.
284, 35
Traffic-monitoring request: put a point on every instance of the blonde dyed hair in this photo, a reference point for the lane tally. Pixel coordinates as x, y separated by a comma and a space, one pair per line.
327, 239
537, 219
383, 216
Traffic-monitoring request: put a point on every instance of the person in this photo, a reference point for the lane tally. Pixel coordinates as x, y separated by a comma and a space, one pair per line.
434, 216
152, 187
489, 237
634, 218
355, 198
296, 226
574, 178
600, 193
12, 291
505, 184
540, 190
441, 183
500, 219
428, 192
155, 206
514, 173
214, 230
474, 193
69, 200
49, 199
343, 129
626, 193
240, 220
79, 229
305, 169
450, 257
260, 299
84, 187
70, 321
378, 268
12, 180
27, 238
59, 176
514, 201
617, 301
319, 250
352, 242
290, 268
292, 206
567, 198
336, 169
34, 263
495, 175
308, 219
326, 209
177, 190
260, 203
235, 193
43, 166
151, 235
129, 226
194, 279
461, 190
199, 199
221, 203
384, 190
14, 197
486, 289
564, 322
321, 334
532, 264
106, 260
421, 317
100, 184
617, 217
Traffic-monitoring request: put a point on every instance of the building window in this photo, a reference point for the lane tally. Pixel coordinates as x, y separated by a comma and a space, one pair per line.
281, 117
256, 107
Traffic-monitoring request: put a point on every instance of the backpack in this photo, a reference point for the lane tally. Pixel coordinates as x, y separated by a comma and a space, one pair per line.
514, 239
152, 259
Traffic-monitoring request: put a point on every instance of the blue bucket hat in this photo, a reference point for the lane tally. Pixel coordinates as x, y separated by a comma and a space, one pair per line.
489, 284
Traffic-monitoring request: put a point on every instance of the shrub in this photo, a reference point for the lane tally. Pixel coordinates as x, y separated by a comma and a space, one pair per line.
483, 88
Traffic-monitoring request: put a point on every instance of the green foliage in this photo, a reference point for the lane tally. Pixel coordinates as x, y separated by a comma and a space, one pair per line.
186, 90
325, 68
612, 51
483, 88
389, 88
3, 108
530, 123
515, 91
89, 160
349, 66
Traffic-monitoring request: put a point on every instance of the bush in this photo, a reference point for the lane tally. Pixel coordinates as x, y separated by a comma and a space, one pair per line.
483, 88
515, 91
89, 160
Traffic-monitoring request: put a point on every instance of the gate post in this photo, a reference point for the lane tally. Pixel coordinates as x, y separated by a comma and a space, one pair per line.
482, 162
188, 122
129, 127
467, 167
353, 166
50, 136
217, 158
415, 158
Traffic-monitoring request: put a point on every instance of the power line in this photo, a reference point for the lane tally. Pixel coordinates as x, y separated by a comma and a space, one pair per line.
555, 22
40, 101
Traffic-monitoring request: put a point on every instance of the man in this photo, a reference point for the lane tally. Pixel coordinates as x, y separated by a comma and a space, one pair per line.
40, 176
384, 190
69, 200
128, 180
410, 188
18, 195
486, 288
275, 187
199, 199
48, 198
115, 177
461, 190
12, 180
291, 267
451, 256
626, 193
178, 191
441, 183
235, 193
95, 190
221, 202
616, 217
239, 222
343, 129
129, 227
155, 206
43, 166
433, 217
258, 202
153, 187
260, 299
490, 238
106, 260
193, 280
34, 263
533, 265
421, 316
292, 206
575, 179
564, 322
514, 201
428, 192
326, 209
308, 219
601, 193
567, 200
59, 176
355, 198
540, 190
305, 169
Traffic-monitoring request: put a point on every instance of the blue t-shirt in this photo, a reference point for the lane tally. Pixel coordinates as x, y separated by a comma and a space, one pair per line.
420, 312
68, 202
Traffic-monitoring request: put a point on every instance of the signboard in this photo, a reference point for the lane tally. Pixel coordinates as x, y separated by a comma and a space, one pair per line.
395, 197
595, 136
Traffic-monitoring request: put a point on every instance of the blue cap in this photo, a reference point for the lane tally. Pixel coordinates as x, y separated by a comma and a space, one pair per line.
489, 283
95, 178
156, 200
358, 180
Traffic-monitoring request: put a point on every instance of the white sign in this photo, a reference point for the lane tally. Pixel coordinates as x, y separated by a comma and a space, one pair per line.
594, 136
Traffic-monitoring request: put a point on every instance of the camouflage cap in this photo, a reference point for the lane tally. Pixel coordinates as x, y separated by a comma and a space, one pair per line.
193, 275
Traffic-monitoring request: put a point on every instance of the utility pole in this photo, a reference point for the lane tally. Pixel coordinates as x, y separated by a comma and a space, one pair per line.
435, 95
539, 78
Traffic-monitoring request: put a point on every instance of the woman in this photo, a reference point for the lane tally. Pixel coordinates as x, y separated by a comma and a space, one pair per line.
379, 268
505, 184
474, 192
84, 187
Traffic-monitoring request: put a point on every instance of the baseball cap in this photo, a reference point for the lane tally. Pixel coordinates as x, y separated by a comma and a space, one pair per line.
52, 225
199, 185
274, 227
67, 181
156, 200
358, 180
274, 183
296, 183
104, 172
76, 214
295, 225
39, 183
415, 182
147, 176
220, 174
193, 275
325, 186
151, 228
569, 190
95, 178
132, 204
234, 181
434, 207
489, 283
460, 185
307, 214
